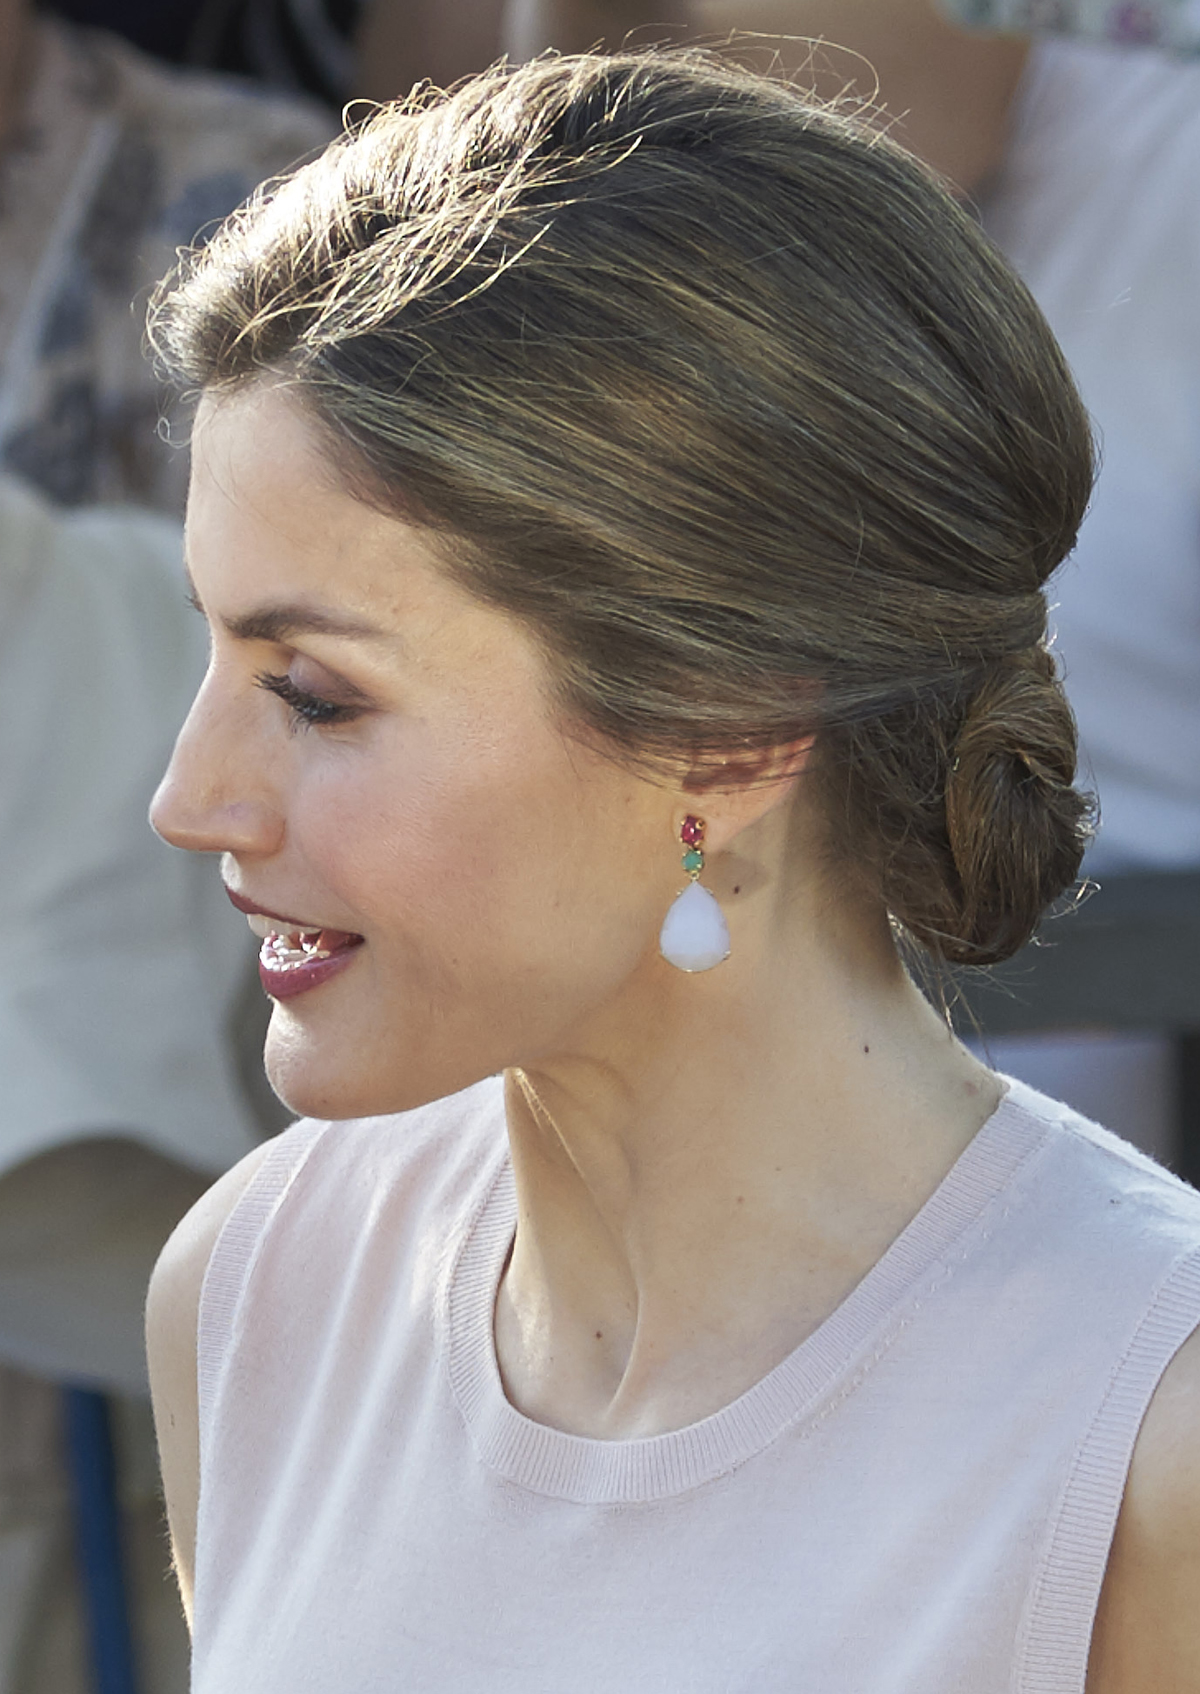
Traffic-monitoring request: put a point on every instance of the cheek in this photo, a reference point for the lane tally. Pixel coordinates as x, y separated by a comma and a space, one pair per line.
393, 854
465, 858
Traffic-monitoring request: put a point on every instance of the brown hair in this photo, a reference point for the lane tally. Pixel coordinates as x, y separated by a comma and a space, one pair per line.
725, 397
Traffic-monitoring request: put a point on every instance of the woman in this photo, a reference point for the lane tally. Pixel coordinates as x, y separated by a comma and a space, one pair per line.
622, 502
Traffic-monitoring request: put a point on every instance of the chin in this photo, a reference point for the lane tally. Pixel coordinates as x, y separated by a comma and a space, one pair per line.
331, 1079
315, 1090
316, 1079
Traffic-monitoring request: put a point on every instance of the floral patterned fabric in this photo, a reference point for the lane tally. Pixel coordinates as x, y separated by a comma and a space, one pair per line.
117, 161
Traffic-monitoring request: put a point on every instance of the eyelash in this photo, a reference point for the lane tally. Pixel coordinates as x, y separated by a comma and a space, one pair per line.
305, 709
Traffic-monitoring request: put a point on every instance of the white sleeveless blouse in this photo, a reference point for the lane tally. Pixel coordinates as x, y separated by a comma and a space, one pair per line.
918, 1500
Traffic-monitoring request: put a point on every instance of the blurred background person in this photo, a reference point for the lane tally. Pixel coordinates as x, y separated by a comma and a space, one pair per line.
110, 163
1172, 25
126, 971
340, 50
302, 46
337, 50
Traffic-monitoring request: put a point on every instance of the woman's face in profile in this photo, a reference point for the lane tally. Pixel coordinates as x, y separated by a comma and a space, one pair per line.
375, 753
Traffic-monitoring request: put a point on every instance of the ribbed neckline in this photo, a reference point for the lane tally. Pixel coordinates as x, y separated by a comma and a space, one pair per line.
579, 1468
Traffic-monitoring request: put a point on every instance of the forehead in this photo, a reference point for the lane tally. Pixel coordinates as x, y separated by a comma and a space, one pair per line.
270, 525
269, 516
265, 494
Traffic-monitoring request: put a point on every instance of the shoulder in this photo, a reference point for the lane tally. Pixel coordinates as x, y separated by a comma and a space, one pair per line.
1147, 1632
343, 1178
1105, 1168
178, 1275
326, 1182
1130, 1237
172, 1316
174, 1296
1097, 1178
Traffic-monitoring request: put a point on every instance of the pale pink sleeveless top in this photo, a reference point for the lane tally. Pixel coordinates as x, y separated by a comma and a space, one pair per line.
918, 1500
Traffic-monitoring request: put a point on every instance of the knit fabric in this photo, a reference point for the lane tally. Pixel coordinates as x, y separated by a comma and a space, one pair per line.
918, 1500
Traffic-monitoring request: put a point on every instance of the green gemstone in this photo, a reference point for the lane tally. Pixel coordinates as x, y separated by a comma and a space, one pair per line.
693, 859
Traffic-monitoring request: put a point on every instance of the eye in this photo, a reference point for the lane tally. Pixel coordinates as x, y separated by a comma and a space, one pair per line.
305, 709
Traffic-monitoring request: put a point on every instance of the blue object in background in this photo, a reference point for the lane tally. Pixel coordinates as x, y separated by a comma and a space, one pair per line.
98, 1540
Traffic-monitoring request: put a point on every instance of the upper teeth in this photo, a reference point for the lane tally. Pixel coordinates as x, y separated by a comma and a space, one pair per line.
288, 952
265, 927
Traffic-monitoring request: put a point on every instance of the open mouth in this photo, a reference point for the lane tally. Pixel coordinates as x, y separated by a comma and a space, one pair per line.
305, 953
293, 947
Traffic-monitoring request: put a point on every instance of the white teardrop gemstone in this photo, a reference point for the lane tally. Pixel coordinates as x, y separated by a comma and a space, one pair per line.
694, 935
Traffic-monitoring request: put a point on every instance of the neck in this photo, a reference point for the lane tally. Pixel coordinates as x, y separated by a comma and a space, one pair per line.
717, 1163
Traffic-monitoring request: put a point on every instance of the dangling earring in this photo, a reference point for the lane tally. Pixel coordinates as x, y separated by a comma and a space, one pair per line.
694, 935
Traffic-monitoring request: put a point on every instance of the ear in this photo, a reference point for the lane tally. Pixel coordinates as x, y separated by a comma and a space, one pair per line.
733, 790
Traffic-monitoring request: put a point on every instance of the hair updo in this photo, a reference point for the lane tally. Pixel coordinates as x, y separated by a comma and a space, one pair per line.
726, 398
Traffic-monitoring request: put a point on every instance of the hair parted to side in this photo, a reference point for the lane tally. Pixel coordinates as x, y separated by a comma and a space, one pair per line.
724, 396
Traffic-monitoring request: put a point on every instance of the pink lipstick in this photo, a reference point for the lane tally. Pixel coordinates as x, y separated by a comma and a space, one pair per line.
295, 955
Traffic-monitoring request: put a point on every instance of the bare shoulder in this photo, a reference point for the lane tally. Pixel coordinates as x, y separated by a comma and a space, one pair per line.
172, 1314
1147, 1631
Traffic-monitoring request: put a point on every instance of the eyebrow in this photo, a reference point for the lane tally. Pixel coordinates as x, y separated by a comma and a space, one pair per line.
277, 623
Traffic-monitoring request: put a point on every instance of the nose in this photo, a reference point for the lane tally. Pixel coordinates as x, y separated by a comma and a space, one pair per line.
215, 796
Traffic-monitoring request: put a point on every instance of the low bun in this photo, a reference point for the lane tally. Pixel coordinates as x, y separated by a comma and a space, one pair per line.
1017, 825
972, 803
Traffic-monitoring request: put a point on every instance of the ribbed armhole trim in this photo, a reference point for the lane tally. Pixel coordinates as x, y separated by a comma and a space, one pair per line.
1053, 1655
233, 1259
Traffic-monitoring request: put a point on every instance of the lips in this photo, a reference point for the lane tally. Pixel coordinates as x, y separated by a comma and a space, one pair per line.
295, 955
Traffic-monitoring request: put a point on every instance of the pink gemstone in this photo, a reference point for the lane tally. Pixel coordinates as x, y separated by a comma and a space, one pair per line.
691, 831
